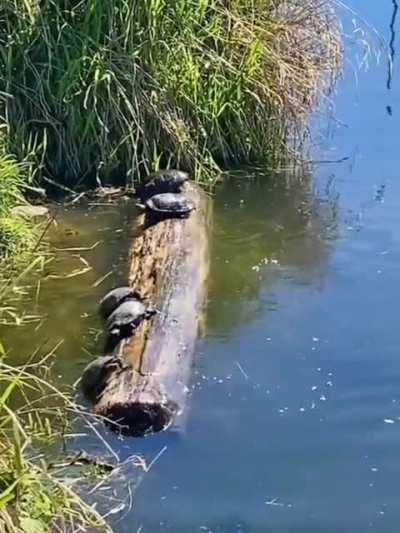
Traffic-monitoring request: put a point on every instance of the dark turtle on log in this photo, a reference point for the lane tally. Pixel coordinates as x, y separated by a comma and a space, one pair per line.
163, 182
113, 299
170, 205
122, 322
96, 374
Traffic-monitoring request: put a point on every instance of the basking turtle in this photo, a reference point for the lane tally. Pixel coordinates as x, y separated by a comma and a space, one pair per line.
96, 374
115, 298
122, 322
162, 182
170, 205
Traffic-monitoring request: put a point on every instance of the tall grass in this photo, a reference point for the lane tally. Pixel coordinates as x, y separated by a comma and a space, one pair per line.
16, 235
33, 496
99, 90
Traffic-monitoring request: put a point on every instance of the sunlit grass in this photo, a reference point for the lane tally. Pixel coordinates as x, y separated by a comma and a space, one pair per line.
16, 234
100, 90
33, 496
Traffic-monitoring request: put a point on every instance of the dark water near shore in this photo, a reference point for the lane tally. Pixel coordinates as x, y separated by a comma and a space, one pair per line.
294, 414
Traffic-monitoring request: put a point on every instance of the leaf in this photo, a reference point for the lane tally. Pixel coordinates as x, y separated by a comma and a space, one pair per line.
8, 494
2, 350
31, 525
7, 393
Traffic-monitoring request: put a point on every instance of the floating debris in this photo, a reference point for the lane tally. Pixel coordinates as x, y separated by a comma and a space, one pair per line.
275, 503
241, 370
389, 421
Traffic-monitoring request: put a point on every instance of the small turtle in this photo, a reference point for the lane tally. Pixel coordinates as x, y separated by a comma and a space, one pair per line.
170, 205
162, 182
115, 298
122, 322
96, 374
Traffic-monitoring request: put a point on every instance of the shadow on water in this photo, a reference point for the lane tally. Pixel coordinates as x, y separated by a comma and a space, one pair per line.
261, 226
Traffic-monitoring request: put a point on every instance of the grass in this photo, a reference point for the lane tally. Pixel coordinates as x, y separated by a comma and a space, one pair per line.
16, 234
105, 90
34, 497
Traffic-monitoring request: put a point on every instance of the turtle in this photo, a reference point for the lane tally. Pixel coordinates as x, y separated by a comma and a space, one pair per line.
96, 374
162, 182
170, 205
124, 320
113, 299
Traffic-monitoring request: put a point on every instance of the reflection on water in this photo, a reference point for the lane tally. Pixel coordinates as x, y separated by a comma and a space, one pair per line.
91, 243
259, 225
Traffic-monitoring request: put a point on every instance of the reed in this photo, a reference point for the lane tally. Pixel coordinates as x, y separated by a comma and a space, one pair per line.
34, 496
16, 235
95, 91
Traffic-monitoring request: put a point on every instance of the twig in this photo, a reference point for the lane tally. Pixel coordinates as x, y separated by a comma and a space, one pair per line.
103, 278
83, 458
40, 239
156, 458
79, 248
241, 370
59, 186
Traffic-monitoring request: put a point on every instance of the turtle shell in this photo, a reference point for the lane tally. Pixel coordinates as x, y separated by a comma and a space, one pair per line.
114, 299
163, 182
95, 376
170, 203
129, 313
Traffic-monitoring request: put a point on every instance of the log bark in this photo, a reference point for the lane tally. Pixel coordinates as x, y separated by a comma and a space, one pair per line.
169, 266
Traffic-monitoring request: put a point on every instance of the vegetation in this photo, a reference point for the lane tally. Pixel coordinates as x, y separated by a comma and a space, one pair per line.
99, 91
16, 234
102, 90
34, 497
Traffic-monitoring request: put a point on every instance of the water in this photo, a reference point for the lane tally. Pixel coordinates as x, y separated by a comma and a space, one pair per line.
294, 416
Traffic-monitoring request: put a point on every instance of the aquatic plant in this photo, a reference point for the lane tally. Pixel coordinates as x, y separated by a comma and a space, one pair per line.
101, 90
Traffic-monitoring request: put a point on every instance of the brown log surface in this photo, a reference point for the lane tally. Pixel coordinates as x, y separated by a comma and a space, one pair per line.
169, 267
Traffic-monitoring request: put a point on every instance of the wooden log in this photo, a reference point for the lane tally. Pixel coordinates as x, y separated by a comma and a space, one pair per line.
169, 266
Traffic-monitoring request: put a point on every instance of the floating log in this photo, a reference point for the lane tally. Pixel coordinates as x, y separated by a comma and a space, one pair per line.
169, 266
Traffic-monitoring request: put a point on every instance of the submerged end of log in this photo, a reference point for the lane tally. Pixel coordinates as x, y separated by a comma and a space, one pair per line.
135, 419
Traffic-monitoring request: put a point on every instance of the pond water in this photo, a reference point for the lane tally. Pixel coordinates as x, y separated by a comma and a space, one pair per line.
294, 412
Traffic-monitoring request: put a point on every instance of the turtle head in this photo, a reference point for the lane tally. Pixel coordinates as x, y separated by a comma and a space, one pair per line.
136, 295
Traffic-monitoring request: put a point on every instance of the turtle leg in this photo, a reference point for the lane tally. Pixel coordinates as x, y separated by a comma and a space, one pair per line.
112, 340
151, 311
137, 295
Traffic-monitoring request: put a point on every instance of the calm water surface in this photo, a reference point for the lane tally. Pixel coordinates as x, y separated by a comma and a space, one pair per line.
294, 418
